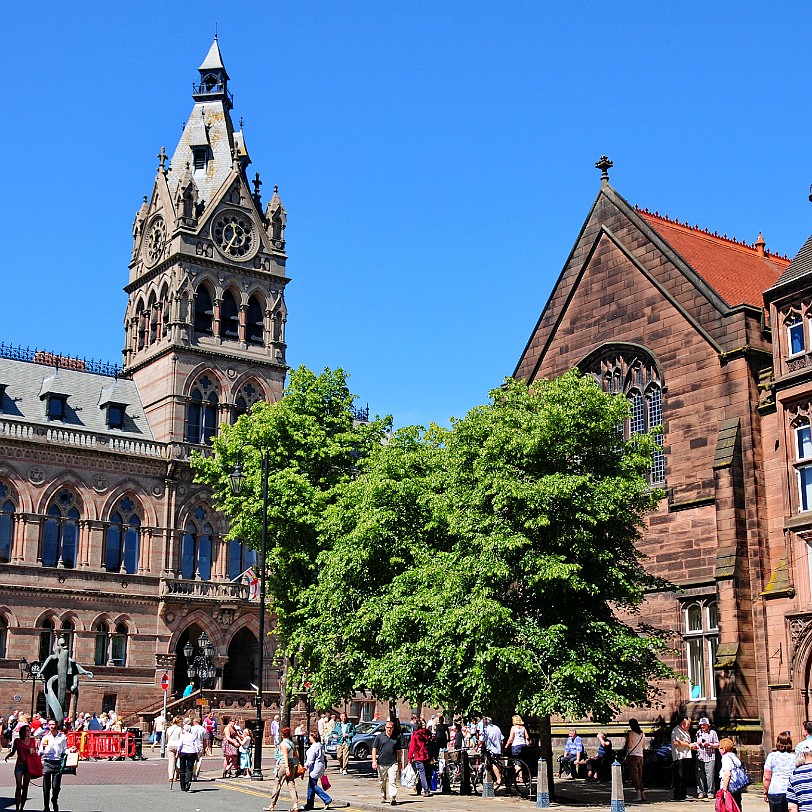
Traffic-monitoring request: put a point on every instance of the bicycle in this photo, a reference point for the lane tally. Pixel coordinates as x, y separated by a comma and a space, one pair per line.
515, 776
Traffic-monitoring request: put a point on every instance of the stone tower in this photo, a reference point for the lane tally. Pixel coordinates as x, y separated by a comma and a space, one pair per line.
205, 322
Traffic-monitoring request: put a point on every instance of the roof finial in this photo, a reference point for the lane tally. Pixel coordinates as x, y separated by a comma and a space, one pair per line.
761, 244
604, 164
241, 122
257, 183
162, 156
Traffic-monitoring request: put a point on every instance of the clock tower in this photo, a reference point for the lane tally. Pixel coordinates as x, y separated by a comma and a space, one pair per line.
205, 322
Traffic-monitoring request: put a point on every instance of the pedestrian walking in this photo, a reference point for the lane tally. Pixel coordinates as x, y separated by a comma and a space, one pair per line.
158, 728
315, 766
189, 749
420, 758
635, 745
287, 767
24, 746
173, 734
345, 731
52, 746
386, 760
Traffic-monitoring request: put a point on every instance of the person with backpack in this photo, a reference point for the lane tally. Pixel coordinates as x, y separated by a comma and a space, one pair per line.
315, 767
287, 769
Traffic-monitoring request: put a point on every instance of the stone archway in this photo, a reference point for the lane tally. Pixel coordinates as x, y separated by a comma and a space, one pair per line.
181, 676
243, 655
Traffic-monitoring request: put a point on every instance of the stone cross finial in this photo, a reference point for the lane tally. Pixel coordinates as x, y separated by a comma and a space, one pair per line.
241, 122
604, 164
257, 183
162, 156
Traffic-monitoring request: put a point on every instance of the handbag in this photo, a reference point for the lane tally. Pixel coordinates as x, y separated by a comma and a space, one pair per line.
300, 770
325, 782
34, 764
739, 779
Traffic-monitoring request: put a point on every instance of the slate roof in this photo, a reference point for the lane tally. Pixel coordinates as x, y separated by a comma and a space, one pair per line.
800, 266
25, 388
735, 270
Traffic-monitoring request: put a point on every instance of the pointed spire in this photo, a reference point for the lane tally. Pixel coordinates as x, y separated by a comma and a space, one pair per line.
214, 60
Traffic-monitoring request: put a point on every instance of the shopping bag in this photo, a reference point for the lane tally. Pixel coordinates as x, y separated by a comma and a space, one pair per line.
70, 761
408, 778
325, 782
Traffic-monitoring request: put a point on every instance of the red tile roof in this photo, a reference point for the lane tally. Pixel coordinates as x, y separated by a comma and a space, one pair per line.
734, 269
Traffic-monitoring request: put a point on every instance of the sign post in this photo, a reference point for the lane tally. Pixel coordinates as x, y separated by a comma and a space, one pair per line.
164, 688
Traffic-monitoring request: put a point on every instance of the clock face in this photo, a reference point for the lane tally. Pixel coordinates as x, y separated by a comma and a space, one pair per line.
234, 235
156, 240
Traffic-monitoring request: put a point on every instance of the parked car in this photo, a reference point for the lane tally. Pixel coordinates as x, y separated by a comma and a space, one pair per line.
365, 733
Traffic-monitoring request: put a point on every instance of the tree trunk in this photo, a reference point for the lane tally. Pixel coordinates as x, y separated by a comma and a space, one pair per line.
284, 694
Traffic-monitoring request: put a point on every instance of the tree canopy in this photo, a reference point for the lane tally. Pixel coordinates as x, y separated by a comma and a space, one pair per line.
492, 563
314, 444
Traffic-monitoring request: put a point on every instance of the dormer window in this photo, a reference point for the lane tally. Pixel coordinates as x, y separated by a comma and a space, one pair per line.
797, 339
57, 407
115, 415
200, 156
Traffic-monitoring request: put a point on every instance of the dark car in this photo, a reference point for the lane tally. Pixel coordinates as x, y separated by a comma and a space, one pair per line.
365, 733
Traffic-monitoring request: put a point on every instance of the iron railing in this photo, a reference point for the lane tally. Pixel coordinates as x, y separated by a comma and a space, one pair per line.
52, 359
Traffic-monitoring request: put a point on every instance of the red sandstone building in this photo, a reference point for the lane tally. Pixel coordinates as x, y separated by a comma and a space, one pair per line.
710, 338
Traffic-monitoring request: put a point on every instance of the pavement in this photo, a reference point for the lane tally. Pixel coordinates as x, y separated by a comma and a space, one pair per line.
133, 786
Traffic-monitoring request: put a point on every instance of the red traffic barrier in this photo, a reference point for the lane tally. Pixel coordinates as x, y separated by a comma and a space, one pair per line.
102, 743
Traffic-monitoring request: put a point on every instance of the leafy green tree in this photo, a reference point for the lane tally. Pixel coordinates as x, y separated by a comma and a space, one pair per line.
494, 564
313, 445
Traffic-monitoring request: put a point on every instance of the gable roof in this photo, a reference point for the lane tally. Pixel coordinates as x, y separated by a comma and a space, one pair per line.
734, 269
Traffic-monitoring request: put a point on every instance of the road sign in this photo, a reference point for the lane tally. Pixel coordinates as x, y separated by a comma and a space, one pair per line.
33, 668
202, 702
165, 682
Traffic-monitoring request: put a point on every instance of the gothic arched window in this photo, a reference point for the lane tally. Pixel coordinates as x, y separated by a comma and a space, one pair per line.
102, 638
46, 639
229, 317
7, 510
3, 636
118, 645
196, 547
636, 376
152, 315
123, 538
202, 412
248, 395
204, 311
255, 322
60, 531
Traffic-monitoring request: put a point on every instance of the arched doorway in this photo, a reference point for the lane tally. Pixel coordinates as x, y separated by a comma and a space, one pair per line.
241, 669
181, 679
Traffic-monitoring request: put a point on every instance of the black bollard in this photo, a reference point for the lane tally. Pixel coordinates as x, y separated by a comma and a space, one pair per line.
465, 773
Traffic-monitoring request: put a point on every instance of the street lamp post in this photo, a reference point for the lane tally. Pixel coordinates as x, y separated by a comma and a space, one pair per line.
200, 665
237, 482
30, 671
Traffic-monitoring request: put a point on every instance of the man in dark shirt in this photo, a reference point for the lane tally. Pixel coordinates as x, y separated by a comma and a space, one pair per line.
386, 760
441, 734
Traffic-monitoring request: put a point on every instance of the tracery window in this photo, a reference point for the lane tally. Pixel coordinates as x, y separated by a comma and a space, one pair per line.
204, 311
248, 395
635, 375
701, 635
7, 510
123, 538
60, 531
202, 412
196, 547
229, 317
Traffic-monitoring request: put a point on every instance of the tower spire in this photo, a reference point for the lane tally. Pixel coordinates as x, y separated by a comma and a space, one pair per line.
213, 78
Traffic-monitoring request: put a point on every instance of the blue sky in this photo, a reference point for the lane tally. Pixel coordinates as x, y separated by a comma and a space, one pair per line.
436, 160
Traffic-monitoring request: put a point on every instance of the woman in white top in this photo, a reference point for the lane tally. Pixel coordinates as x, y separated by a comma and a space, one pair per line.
777, 771
173, 734
518, 739
635, 744
188, 753
729, 763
